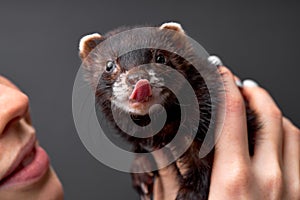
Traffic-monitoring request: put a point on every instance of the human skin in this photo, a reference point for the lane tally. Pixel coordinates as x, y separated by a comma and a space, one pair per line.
15, 132
274, 170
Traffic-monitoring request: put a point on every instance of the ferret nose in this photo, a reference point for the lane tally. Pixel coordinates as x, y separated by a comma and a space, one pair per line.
136, 74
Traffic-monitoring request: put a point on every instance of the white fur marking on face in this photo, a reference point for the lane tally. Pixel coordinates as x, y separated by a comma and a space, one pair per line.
154, 79
86, 38
120, 88
121, 92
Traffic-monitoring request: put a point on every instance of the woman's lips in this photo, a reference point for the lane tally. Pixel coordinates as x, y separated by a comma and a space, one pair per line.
33, 166
21, 154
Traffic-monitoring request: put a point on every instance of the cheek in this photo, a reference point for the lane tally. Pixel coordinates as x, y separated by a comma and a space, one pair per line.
155, 80
120, 90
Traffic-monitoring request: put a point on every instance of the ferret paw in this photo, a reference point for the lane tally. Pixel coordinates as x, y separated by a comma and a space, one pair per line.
143, 182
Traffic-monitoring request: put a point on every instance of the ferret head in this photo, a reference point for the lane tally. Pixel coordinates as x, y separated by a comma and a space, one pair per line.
127, 81
132, 82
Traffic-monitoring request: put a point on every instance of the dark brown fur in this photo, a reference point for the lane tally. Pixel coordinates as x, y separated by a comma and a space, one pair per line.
195, 180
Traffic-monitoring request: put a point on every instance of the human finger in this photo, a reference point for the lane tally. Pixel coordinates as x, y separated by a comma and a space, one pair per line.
233, 139
291, 160
268, 139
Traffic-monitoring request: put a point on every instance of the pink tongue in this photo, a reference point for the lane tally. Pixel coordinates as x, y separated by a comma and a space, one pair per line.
141, 91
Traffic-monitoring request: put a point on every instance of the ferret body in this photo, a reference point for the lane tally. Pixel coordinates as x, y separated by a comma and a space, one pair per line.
128, 89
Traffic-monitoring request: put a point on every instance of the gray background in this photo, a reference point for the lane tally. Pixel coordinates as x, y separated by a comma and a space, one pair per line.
39, 53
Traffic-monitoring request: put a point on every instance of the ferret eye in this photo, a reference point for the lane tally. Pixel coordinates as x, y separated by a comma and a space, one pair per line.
160, 59
110, 66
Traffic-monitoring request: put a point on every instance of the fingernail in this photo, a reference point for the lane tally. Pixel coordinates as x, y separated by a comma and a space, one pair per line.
239, 83
249, 83
215, 60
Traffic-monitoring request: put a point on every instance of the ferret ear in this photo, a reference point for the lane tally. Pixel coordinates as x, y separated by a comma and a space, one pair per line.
173, 26
88, 43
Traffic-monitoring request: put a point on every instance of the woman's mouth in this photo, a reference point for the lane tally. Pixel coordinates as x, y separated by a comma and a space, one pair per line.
31, 165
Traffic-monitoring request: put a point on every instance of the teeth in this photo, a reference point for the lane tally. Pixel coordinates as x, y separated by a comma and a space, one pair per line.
28, 159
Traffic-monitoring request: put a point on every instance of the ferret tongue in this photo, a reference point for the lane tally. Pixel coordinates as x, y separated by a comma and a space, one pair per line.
141, 91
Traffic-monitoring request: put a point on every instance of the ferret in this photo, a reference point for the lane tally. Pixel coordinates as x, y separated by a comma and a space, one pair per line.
129, 89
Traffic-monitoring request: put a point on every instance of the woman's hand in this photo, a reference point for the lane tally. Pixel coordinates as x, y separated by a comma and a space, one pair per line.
274, 170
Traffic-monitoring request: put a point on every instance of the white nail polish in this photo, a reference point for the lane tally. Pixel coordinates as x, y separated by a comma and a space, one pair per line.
238, 83
249, 83
215, 60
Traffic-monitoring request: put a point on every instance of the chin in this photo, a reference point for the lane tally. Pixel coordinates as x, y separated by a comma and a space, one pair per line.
142, 110
47, 188
134, 108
